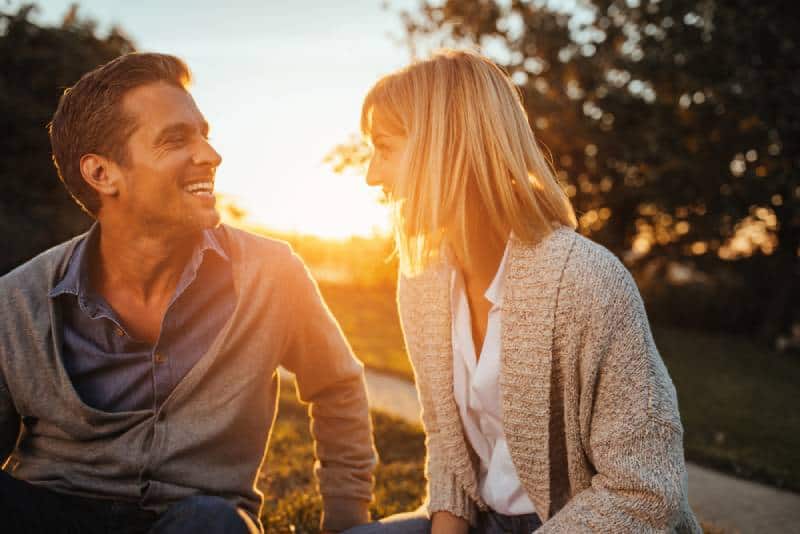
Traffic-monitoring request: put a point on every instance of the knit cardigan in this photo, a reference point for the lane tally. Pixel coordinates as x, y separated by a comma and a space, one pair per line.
589, 411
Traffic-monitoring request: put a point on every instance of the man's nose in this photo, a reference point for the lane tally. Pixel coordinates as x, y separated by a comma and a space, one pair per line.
207, 155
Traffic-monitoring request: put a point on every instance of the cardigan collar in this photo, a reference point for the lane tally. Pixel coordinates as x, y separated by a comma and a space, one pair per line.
533, 282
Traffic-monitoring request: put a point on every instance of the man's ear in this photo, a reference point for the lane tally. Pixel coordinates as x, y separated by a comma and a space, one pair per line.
99, 172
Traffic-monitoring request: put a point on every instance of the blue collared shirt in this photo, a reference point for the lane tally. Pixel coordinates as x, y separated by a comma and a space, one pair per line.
113, 371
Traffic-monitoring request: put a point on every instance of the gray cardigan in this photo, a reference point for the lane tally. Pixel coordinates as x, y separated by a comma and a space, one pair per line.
589, 411
210, 435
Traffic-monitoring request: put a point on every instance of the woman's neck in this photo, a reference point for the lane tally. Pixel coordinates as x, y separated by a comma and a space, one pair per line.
480, 263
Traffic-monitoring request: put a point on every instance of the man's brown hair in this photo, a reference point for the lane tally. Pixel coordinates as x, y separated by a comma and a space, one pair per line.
90, 118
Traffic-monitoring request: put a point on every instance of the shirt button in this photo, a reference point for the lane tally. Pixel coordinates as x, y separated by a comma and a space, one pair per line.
159, 358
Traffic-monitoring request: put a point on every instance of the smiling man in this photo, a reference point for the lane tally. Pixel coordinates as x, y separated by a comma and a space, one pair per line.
138, 361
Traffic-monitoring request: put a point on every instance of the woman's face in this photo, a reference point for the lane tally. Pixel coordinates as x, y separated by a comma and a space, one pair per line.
387, 156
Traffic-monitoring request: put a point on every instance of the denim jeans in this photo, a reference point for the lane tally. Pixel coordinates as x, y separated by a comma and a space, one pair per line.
416, 522
27, 508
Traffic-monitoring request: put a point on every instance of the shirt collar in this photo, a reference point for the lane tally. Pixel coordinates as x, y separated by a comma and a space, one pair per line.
75, 280
76, 277
494, 293
210, 241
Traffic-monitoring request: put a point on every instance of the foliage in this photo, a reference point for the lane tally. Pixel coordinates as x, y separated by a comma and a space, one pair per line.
36, 64
674, 125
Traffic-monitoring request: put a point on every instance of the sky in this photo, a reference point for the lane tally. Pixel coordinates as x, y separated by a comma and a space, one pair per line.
281, 84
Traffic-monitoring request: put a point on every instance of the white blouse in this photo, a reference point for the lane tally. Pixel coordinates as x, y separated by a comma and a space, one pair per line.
477, 393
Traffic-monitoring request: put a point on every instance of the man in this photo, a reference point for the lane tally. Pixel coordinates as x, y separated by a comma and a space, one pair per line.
138, 361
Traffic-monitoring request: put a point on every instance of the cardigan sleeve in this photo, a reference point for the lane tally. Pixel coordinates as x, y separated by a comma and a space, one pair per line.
639, 485
331, 379
630, 411
445, 493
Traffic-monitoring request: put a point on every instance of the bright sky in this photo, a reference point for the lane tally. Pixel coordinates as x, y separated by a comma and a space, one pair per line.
281, 84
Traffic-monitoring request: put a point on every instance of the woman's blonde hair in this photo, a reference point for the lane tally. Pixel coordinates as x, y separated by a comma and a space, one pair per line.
470, 153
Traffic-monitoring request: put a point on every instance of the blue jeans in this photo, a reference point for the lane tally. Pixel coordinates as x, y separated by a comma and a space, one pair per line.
417, 522
27, 508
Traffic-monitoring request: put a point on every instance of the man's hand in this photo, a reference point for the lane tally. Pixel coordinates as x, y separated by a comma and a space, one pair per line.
447, 523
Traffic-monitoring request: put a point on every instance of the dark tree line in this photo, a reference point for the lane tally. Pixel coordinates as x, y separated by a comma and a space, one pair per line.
36, 64
675, 127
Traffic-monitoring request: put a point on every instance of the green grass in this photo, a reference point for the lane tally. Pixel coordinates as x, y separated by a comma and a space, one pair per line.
738, 404
369, 319
292, 503
739, 401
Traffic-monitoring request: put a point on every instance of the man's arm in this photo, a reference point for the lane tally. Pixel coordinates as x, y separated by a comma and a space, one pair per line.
10, 423
331, 379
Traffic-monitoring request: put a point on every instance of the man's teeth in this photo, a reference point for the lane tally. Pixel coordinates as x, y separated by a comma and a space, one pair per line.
199, 187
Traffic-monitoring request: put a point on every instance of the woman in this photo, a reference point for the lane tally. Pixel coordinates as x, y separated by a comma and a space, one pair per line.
545, 402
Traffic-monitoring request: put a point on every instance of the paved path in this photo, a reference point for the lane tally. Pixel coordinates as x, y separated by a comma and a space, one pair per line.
724, 502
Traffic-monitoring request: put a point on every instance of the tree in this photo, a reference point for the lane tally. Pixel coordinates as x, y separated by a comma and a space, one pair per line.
674, 126
36, 64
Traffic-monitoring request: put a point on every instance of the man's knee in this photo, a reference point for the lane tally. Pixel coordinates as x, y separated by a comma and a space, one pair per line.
204, 513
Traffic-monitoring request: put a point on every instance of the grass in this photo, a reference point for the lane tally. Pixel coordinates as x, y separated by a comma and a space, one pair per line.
738, 403
292, 503
369, 319
738, 400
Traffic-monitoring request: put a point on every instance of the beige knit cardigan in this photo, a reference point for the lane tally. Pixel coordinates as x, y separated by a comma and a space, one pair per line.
589, 411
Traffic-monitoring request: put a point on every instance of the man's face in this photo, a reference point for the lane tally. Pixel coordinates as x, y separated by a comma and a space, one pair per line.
167, 182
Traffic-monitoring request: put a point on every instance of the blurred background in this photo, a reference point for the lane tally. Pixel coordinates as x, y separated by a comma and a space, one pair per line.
674, 127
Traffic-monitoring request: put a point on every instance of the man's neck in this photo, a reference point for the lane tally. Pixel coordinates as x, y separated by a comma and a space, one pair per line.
145, 265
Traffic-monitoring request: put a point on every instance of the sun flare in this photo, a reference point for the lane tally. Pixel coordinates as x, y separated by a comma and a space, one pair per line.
337, 206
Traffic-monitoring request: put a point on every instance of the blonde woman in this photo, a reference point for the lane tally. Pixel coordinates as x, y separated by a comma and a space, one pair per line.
545, 402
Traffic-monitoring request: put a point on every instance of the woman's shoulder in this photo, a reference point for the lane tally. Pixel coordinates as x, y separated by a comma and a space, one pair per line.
577, 265
594, 263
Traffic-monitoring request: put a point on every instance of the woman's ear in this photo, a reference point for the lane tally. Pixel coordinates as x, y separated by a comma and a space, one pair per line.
97, 171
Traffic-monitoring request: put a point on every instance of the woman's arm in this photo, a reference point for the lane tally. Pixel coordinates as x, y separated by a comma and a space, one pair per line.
445, 493
631, 427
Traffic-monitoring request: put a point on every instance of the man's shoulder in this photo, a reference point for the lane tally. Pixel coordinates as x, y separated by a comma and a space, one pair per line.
250, 244
39, 271
257, 250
